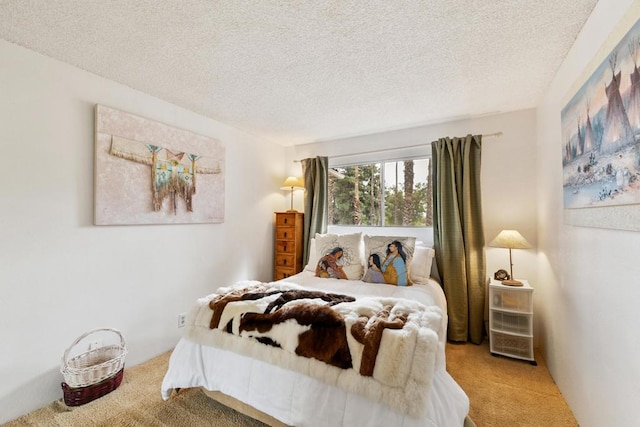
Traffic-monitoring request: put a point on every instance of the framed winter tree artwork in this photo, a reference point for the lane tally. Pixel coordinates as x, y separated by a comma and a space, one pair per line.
147, 172
601, 132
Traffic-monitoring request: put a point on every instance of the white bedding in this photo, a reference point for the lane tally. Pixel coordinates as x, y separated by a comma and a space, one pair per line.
300, 400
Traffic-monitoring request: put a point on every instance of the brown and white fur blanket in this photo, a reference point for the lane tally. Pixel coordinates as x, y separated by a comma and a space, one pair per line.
382, 348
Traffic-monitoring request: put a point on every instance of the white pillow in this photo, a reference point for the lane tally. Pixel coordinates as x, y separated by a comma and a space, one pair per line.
378, 245
351, 245
420, 269
313, 257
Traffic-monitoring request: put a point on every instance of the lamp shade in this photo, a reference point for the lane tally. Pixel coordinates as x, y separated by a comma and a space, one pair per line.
292, 182
510, 239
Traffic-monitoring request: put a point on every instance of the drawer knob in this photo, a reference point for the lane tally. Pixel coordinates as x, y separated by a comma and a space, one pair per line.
285, 248
286, 220
285, 234
284, 262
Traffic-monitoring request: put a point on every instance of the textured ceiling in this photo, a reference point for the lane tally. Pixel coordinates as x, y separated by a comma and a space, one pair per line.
305, 71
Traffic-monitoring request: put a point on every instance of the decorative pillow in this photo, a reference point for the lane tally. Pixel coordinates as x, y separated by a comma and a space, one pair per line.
349, 260
420, 268
384, 261
314, 256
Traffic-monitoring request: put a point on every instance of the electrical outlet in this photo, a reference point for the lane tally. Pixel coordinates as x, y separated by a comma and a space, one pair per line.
94, 344
181, 319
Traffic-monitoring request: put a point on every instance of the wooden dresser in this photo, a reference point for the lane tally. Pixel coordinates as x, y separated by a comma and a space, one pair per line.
288, 249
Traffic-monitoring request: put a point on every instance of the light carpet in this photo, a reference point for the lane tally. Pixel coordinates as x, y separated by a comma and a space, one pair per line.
505, 391
136, 403
502, 391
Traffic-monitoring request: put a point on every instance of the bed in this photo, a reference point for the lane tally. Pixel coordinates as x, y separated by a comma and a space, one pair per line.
406, 384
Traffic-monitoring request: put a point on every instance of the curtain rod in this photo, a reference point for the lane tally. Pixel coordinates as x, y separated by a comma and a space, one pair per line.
488, 135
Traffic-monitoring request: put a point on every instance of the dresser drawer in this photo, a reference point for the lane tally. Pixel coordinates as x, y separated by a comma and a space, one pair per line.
285, 247
285, 219
283, 273
516, 299
511, 345
285, 260
285, 233
517, 323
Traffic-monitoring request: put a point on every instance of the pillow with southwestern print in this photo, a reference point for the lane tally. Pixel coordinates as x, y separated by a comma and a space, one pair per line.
351, 245
391, 268
314, 256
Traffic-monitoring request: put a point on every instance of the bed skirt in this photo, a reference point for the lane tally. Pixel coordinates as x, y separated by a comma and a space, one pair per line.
300, 400
252, 412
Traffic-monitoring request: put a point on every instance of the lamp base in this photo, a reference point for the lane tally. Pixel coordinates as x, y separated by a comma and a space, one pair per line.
512, 283
292, 210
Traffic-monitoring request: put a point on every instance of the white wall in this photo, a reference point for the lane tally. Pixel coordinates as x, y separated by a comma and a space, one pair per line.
508, 173
59, 274
588, 277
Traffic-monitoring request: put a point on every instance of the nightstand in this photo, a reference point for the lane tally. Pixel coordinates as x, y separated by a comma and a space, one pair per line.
288, 244
511, 320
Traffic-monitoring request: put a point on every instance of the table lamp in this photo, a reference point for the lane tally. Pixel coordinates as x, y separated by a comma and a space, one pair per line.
510, 239
292, 184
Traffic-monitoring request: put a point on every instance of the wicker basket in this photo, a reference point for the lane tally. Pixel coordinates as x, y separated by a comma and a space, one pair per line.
95, 365
81, 395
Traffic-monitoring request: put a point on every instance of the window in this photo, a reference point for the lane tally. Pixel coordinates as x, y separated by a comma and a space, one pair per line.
394, 193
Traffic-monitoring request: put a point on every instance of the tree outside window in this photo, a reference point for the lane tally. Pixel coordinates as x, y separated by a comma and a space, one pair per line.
396, 193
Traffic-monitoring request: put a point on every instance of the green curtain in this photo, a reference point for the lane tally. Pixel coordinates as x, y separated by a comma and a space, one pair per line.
316, 199
459, 234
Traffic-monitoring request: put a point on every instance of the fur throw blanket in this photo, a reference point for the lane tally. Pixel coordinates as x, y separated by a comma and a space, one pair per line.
382, 348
